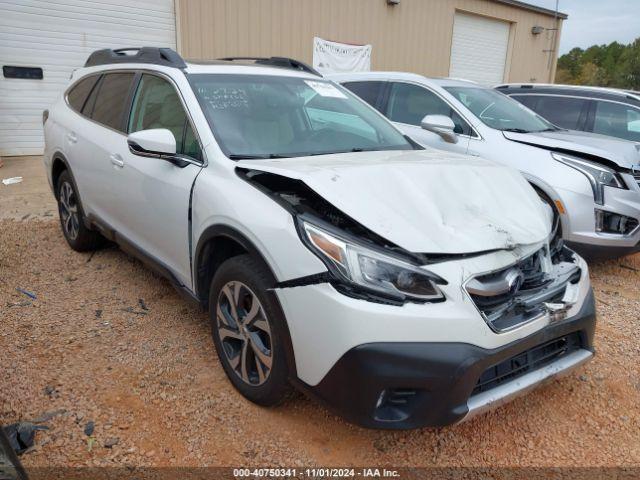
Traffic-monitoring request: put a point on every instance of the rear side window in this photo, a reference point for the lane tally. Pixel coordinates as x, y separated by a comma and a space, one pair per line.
617, 120
157, 105
370, 92
564, 112
79, 93
111, 102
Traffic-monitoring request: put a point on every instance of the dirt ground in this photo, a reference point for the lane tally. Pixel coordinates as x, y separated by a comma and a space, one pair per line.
106, 341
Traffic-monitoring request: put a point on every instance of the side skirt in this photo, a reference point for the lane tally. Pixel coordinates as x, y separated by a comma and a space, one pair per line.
149, 260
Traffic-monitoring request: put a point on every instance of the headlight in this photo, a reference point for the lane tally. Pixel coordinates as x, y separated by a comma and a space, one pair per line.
360, 266
599, 176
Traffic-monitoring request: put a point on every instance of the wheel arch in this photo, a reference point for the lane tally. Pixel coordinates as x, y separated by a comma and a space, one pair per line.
218, 243
544, 189
58, 165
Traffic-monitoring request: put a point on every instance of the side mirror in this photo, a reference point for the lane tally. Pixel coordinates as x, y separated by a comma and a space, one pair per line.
440, 125
157, 143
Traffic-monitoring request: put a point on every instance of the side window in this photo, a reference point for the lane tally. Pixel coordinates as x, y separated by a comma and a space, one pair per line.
529, 101
111, 102
410, 103
157, 105
368, 91
617, 120
564, 112
77, 96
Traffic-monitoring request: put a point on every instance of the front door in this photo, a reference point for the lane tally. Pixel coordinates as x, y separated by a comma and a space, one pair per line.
408, 104
153, 195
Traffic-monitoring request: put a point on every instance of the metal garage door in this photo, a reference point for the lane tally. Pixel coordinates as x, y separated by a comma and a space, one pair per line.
58, 35
479, 48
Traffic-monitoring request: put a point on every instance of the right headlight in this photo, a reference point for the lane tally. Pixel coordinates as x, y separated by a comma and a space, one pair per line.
599, 176
362, 267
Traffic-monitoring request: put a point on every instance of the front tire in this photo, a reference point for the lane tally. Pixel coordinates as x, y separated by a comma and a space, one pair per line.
78, 236
249, 330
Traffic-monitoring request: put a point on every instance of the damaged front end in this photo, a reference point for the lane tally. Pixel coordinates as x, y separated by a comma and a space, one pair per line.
360, 263
544, 283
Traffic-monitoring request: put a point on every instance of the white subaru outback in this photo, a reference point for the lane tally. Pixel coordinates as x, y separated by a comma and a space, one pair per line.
403, 287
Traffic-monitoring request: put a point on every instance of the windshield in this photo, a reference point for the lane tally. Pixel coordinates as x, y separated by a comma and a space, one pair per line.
263, 116
499, 111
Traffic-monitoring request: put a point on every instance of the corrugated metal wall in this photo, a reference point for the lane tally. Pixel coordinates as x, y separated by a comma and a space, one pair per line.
412, 36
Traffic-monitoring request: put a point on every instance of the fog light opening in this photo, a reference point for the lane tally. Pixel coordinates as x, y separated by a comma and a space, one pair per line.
394, 404
609, 222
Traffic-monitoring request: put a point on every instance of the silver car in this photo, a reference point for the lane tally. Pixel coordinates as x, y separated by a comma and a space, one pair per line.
592, 182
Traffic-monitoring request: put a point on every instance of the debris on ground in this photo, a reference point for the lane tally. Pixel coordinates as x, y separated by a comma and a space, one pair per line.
89, 428
22, 435
31, 295
47, 416
143, 305
12, 180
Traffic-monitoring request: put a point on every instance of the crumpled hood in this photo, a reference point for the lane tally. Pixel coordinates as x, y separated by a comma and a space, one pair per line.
622, 152
424, 201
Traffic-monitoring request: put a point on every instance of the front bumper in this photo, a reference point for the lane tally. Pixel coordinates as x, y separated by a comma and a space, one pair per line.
579, 223
431, 384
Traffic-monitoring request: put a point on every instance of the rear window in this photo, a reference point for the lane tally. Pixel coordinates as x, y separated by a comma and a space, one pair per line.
79, 93
110, 104
370, 92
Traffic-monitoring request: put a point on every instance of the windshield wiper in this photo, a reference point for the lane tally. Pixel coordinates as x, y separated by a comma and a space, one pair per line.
516, 130
242, 156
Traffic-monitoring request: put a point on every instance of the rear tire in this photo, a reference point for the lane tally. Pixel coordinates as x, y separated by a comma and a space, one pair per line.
249, 330
78, 236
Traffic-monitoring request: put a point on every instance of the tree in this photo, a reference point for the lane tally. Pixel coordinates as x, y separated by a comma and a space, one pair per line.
613, 65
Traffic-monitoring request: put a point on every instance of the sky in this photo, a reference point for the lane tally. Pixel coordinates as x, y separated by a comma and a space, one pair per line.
593, 22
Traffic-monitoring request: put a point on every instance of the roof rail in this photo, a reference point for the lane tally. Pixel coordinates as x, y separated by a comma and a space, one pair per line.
282, 62
155, 55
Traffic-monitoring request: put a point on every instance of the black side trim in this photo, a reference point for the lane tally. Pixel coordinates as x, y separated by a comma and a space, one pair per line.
149, 260
231, 233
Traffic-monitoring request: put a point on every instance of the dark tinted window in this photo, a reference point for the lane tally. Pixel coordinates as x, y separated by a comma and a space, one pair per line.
411, 103
564, 112
617, 120
529, 101
157, 105
110, 104
79, 93
368, 91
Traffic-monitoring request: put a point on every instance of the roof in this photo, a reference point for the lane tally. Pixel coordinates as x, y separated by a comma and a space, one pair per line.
401, 76
576, 89
533, 8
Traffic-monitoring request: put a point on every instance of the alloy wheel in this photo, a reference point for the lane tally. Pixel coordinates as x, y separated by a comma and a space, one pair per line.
244, 332
69, 211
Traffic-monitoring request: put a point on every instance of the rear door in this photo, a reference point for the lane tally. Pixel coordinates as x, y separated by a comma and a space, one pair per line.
96, 142
152, 195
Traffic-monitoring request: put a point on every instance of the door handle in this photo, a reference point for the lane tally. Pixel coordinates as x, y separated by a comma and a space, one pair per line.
116, 160
71, 137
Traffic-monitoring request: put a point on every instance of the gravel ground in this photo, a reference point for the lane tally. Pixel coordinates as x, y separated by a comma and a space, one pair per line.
107, 342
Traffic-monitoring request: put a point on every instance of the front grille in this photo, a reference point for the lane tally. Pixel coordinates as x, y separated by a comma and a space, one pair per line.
515, 295
528, 361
